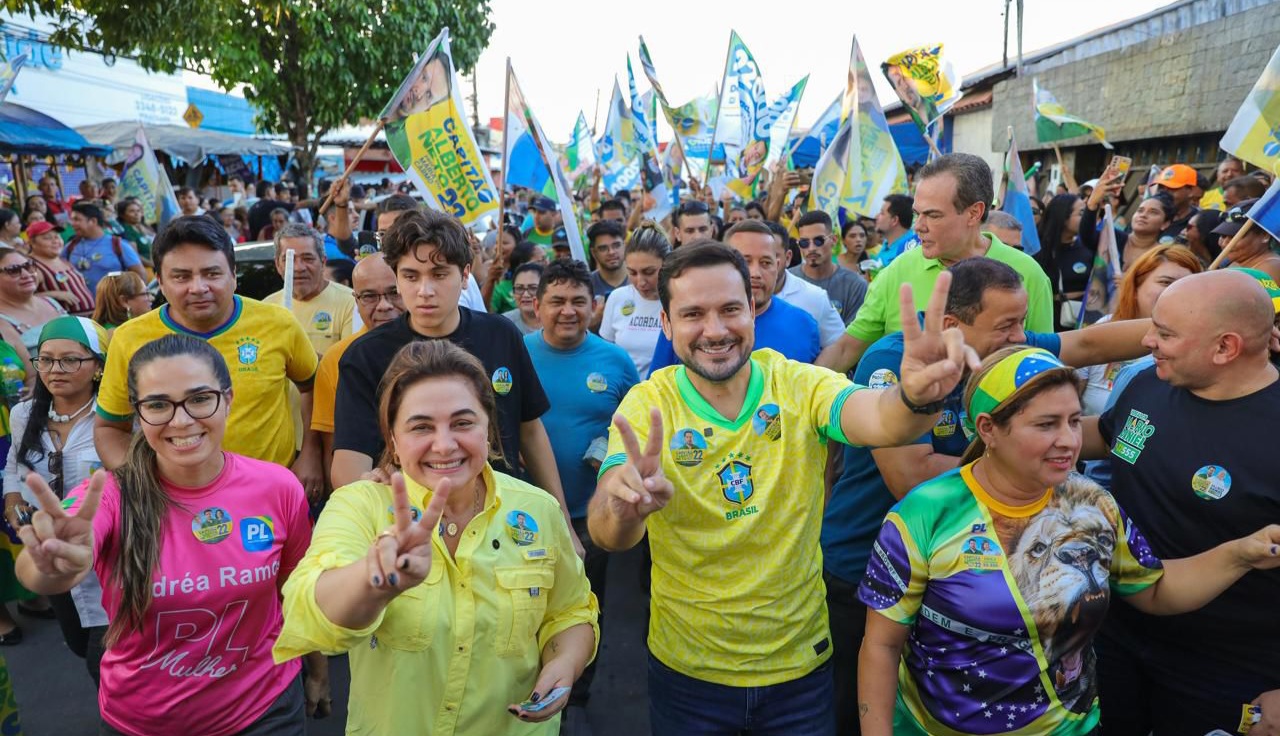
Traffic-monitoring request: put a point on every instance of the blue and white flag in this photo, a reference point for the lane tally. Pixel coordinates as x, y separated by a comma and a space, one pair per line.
1017, 201
8, 72
1265, 213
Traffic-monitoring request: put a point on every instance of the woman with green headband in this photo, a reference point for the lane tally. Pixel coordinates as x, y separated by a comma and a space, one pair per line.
53, 437
988, 583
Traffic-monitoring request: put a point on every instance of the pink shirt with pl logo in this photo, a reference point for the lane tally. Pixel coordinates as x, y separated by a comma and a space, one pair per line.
203, 654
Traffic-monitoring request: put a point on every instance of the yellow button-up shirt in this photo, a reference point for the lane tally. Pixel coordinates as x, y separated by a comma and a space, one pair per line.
449, 655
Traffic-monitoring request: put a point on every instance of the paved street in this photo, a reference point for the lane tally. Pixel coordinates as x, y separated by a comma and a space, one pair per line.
56, 696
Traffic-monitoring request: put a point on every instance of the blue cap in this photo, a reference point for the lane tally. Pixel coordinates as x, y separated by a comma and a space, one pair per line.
544, 204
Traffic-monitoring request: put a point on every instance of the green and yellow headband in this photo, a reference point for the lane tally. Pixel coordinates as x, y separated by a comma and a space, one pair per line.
1003, 381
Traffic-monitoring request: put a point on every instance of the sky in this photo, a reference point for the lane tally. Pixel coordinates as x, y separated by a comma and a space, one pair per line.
564, 51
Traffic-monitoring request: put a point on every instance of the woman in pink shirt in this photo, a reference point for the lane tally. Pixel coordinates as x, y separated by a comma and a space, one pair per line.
193, 545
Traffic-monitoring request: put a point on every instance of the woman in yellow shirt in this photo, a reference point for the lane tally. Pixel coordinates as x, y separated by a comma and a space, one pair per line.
456, 589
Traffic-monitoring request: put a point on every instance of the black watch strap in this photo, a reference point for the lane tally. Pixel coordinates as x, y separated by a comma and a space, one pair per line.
932, 408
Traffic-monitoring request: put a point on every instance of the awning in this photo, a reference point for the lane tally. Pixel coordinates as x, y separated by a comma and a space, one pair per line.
187, 145
27, 132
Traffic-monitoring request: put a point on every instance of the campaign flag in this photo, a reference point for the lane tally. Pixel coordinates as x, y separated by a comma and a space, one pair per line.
1017, 201
644, 110
8, 72
691, 122
740, 69
522, 164
518, 110
1054, 123
862, 165
1265, 213
145, 179
617, 146
580, 154
767, 128
811, 144
427, 131
1100, 295
925, 81
1254, 135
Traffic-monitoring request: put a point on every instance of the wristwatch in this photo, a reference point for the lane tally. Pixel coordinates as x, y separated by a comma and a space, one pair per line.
926, 409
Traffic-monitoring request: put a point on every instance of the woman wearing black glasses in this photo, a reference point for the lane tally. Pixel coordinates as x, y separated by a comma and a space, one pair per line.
193, 545
19, 306
54, 431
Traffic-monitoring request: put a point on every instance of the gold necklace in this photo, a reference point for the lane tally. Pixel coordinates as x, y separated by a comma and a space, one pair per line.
448, 527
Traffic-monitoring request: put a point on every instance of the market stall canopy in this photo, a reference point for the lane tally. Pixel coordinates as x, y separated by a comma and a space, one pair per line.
188, 145
27, 132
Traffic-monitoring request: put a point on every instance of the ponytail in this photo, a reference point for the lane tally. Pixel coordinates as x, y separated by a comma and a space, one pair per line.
143, 507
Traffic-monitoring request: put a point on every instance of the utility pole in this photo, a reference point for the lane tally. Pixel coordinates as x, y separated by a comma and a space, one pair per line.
1019, 38
1005, 54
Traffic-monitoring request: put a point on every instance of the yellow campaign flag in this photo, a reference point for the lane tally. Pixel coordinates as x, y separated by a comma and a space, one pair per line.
427, 131
1254, 135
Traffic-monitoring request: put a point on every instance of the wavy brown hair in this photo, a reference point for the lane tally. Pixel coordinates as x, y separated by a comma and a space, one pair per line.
426, 359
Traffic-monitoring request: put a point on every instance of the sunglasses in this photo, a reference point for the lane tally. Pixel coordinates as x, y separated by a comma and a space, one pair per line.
56, 483
17, 268
816, 242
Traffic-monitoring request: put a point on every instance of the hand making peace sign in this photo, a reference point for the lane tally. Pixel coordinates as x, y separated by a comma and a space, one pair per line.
639, 488
400, 557
933, 359
61, 544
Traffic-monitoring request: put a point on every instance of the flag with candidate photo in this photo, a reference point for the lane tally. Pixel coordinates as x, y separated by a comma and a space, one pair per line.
580, 153
146, 180
862, 165
925, 81
1100, 293
617, 147
428, 133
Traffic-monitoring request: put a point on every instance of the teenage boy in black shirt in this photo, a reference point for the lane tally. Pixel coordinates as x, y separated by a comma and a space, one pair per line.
431, 257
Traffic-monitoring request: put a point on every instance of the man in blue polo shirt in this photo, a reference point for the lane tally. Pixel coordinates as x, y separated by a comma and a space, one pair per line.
893, 223
988, 303
585, 378
779, 326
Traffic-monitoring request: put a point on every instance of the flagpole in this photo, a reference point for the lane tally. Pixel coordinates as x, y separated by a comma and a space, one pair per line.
333, 190
715, 131
595, 117
1248, 225
1004, 176
506, 155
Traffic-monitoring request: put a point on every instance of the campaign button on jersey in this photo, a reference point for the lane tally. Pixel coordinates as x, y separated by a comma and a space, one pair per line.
1212, 482
502, 381
883, 378
596, 382
687, 447
522, 527
212, 525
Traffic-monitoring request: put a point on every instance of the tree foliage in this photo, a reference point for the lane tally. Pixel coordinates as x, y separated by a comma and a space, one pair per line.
306, 66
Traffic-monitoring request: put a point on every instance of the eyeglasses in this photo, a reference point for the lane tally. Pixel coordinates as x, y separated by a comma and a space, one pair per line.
158, 412
530, 290
70, 364
816, 242
17, 268
372, 298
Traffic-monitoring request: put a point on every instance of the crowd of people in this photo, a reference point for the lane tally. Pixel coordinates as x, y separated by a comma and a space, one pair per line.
883, 482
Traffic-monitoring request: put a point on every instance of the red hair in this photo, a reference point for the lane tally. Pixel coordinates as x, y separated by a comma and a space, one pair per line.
1139, 270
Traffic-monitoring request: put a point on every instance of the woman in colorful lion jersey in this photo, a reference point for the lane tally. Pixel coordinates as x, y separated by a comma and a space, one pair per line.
999, 640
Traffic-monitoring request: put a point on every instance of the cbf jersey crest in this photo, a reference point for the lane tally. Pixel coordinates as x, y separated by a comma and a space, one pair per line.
247, 350
735, 480
737, 486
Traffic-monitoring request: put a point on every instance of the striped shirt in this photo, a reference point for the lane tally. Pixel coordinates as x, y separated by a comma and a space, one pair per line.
68, 280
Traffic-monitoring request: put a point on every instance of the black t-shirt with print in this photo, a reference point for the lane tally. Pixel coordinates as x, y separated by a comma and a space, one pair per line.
491, 338
1192, 474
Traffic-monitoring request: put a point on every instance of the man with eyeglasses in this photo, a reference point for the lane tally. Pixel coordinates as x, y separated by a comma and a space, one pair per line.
691, 223
846, 288
325, 309
606, 242
378, 303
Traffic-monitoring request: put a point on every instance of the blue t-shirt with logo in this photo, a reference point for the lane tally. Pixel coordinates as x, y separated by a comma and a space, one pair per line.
585, 385
859, 498
96, 258
787, 329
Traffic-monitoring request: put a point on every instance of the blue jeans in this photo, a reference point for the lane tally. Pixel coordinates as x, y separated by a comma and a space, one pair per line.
680, 705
